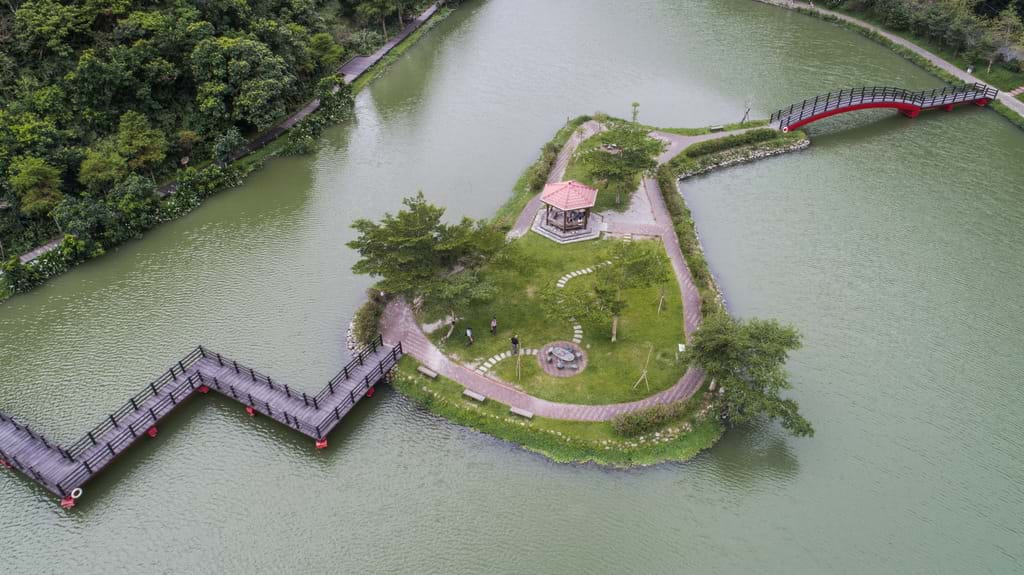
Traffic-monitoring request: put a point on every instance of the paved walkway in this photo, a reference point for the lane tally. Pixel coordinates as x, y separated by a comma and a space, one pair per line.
1004, 97
399, 322
528, 214
1016, 91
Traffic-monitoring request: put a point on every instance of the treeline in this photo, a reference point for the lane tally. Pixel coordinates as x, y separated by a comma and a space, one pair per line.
101, 99
989, 33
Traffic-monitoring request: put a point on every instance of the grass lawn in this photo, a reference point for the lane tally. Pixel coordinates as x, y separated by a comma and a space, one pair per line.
612, 368
558, 439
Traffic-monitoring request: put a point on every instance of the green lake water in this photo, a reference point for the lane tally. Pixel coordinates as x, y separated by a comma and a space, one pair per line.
894, 245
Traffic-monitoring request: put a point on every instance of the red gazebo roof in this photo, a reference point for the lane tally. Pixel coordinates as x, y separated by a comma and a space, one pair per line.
570, 195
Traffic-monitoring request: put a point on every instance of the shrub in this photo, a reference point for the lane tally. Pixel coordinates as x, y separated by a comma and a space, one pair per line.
366, 324
648, 419
712, 146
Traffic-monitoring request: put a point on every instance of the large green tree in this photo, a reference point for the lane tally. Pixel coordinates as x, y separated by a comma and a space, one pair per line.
409, 251
623, 153
747, 361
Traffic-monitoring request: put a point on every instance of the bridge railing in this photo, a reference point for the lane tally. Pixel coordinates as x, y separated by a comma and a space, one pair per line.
114, 419
113, 446
881, 94
13, 460
386, 364
351, 367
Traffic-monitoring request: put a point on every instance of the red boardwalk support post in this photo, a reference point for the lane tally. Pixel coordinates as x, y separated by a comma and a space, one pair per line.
250, 411
203, 389
321, 443
370, 392
152, 431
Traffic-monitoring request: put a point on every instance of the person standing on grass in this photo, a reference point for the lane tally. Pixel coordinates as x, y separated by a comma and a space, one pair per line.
494, 325
515, 344
469, 336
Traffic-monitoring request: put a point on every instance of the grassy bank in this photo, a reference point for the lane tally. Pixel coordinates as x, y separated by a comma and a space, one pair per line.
710, 155
560, 440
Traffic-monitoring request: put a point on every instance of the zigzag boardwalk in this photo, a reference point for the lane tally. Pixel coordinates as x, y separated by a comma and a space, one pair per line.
907, 102
64, 470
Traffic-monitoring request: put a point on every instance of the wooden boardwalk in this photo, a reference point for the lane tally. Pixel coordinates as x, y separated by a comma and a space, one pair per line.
62, 470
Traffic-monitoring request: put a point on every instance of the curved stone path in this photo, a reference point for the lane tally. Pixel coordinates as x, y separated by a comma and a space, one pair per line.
487, 365
399, 321
529, 213
1005, 97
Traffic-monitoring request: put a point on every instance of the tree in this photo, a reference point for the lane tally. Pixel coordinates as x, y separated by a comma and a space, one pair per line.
84, 217
132, 205
746, 359
103, 165
459, 291
37, 185
143, 145
1003, 34
325, 51
226, 144
372, 9
240, 79
414, 248
625, 153
634, 265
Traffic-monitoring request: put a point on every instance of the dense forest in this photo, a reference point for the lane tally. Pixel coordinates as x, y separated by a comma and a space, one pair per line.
102, 100
987, 33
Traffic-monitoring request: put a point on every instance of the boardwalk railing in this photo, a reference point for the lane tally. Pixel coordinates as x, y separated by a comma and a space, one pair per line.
113, 446
63, 470
879, 96
114, 419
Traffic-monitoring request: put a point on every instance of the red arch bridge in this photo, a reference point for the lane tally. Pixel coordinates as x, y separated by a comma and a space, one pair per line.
909, 103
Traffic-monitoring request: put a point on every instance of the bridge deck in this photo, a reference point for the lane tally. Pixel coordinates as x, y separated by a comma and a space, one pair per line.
62, 469
871, 97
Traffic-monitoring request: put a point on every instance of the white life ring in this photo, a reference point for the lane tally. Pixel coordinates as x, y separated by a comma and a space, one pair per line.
785, 130
76, 493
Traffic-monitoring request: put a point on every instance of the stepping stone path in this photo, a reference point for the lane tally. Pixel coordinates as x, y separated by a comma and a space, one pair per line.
487, 365
577, 329
565, 279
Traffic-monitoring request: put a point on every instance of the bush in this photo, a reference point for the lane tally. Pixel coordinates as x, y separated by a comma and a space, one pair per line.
649, 419
366, 324
712, 146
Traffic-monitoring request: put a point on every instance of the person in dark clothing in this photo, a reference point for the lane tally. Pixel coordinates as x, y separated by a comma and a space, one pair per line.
515, 344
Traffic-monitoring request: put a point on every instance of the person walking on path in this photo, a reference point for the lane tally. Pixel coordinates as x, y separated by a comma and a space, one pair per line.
494, 325
469, 336
515, 344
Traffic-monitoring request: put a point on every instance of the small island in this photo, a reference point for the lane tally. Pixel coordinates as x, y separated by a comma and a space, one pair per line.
581, 322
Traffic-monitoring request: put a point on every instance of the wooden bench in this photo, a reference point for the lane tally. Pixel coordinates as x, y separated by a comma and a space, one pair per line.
427, 372
521, 412
474, 395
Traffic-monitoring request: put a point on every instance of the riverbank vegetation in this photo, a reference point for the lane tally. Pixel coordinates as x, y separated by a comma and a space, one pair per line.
99, 104
988, 36
693, 428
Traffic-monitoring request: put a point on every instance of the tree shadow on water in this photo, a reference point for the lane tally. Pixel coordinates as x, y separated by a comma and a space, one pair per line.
751, 454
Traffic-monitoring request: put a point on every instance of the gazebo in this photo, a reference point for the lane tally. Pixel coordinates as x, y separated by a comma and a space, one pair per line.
568, 204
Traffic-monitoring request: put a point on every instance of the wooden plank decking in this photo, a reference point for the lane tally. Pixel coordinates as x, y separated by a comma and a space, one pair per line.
63, 469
